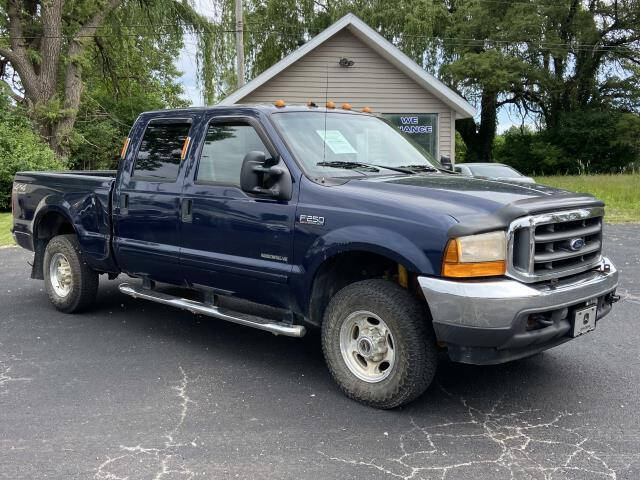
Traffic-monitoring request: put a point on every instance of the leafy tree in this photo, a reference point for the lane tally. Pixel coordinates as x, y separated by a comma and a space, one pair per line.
49, 45
581, 55
585, 141
20, 149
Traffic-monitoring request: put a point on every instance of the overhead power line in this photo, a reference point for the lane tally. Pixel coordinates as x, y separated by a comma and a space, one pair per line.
151, 31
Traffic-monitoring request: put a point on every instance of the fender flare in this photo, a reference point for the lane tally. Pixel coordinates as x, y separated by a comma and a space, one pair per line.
46, 206
359, 238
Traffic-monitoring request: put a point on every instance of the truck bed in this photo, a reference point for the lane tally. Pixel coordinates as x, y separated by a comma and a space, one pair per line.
85, 196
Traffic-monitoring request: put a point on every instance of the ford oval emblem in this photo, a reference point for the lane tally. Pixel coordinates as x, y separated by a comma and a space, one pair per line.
576, 244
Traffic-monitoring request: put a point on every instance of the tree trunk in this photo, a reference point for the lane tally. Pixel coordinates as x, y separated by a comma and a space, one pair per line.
72, 97
479, 138
39, 77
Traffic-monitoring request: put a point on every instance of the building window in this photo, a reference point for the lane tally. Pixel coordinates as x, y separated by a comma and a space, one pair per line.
421, 127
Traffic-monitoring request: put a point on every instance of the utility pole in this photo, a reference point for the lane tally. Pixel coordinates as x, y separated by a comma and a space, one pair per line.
239, 44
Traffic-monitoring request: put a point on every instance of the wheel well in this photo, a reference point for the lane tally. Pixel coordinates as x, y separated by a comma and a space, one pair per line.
50, 225
345, 268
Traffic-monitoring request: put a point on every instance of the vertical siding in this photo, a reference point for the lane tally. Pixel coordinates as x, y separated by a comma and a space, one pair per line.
371, 81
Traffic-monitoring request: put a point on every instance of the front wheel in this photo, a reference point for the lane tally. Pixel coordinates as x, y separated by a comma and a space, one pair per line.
378, 344
70, 283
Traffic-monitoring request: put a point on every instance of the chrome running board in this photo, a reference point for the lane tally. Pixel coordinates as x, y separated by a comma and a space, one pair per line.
277, 328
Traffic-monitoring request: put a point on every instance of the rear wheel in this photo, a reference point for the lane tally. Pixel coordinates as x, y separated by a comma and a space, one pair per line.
70, 283
378, 344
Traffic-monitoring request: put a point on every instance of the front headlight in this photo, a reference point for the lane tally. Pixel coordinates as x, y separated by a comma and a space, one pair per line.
480, 255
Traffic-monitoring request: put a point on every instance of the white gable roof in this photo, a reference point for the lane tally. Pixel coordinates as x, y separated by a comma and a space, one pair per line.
377, 42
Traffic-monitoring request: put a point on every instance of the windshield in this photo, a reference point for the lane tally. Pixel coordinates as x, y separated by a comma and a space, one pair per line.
494, 171
337, 143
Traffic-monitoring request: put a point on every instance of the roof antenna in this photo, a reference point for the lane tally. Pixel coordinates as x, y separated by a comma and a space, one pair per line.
326, 103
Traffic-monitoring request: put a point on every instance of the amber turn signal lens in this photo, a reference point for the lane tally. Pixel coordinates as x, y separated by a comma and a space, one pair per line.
480, 269
452, 267
279, 103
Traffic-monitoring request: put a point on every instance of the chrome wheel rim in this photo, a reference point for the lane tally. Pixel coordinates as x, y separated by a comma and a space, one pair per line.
60, 275
367, 346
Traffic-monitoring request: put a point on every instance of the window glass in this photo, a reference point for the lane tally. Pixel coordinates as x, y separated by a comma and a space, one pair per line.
494, 171
225, 147
160, 150
421, 127
325, 142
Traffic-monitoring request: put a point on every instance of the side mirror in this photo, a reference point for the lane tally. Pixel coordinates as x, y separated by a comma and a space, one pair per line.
265, 176
446, 163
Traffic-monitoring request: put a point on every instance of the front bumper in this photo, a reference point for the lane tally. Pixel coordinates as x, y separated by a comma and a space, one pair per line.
495, 321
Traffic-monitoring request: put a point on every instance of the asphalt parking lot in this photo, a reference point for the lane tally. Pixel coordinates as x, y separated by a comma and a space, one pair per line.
140, 391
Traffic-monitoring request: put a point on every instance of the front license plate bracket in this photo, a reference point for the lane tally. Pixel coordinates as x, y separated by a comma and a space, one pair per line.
584, 320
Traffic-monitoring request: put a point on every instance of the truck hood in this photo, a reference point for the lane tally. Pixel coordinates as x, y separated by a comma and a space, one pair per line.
477, 204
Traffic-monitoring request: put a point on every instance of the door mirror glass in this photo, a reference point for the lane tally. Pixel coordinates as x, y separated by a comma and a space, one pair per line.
265, 176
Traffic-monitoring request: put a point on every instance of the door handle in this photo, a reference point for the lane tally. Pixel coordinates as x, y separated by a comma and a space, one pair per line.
186, 210
124, 203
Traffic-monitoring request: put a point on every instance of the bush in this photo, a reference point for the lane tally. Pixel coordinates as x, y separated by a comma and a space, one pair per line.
20, 149
529, 152
586, 141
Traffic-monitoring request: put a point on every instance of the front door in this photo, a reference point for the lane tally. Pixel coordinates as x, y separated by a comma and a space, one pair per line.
233, 242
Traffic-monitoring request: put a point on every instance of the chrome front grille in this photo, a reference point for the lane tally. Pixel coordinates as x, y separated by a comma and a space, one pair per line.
553, 245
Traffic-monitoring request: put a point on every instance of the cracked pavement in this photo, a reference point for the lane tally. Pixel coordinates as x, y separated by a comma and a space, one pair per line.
133, 390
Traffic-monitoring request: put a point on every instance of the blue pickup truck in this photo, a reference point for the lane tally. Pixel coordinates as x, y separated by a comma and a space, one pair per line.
285, 218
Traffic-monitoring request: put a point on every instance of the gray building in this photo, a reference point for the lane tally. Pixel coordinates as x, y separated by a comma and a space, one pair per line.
350, 62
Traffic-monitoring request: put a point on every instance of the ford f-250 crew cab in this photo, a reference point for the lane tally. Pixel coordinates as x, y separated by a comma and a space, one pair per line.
324, 218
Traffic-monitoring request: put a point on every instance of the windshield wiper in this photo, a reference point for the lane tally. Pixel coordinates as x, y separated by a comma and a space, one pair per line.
420, 168
348, 165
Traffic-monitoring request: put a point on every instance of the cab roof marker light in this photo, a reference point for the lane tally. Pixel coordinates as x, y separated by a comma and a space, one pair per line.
367, 110
331, 104
346, 106
311, 104
280, 103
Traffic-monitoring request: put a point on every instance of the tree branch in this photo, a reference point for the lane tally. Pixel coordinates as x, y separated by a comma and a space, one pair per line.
513, 99
9, 55
11, 93
17, 56
94, 22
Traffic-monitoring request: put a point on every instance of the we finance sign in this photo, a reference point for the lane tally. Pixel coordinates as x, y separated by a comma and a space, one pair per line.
411, 124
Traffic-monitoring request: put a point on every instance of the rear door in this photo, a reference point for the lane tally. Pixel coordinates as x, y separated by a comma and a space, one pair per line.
147, 209
236, 243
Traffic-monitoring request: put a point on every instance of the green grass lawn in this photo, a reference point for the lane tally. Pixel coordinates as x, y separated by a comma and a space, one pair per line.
621, 193
5, 225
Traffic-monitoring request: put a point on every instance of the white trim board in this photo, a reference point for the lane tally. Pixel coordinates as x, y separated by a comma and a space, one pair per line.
384, 48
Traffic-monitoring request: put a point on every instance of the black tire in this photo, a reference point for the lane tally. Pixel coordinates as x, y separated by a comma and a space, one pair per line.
84, 281
413, 339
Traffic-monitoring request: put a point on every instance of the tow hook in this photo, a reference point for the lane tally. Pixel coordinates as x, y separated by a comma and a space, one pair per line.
613, 298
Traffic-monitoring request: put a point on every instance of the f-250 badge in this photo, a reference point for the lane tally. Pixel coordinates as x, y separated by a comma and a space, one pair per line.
311, 220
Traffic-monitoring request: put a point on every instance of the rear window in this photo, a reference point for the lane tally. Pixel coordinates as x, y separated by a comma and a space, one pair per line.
160, 150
